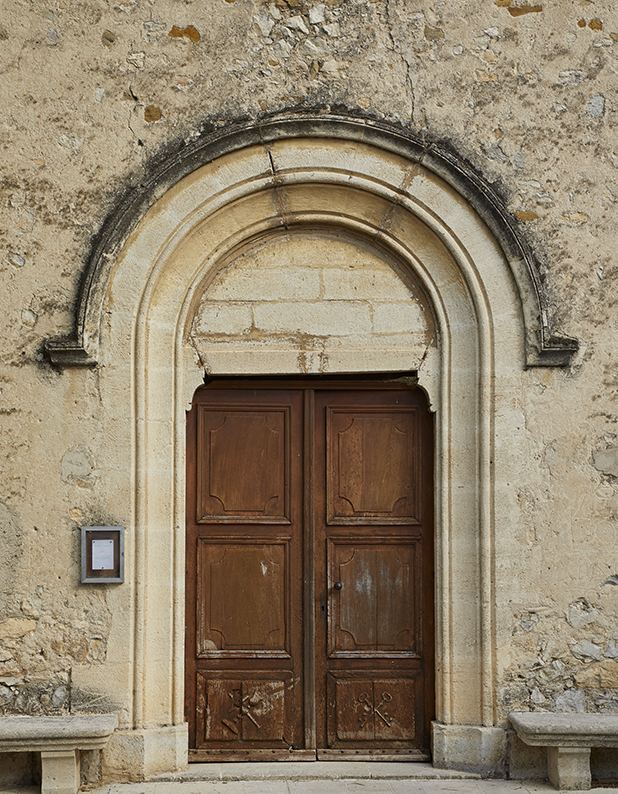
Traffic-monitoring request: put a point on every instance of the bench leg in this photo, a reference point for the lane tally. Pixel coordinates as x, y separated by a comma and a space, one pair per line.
59, 771
569, 767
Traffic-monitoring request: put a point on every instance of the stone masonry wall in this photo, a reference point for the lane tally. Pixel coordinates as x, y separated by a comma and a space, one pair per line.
312, 303
94, 93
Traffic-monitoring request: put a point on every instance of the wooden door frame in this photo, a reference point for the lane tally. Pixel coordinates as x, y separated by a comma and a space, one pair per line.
308, 384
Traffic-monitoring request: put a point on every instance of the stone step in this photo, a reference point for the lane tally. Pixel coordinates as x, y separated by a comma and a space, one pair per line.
315, 770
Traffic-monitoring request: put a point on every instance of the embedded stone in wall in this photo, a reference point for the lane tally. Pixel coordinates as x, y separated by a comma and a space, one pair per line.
581, 614
571, 701
606, 460
13, 628
77, 468
312, 302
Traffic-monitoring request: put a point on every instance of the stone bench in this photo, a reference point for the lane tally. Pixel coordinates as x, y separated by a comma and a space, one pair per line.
59, 740
568, 738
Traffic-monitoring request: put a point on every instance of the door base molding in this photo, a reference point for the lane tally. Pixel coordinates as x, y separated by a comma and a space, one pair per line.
374, 755
257, 755
242, 756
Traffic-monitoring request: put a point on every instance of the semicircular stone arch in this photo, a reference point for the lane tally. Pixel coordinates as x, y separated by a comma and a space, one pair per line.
311, 254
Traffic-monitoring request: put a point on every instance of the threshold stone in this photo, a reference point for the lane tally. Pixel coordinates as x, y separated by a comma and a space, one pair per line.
315, 770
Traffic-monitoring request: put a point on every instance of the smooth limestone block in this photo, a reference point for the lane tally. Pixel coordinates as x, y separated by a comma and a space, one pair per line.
59, 771
569, 768
469, 748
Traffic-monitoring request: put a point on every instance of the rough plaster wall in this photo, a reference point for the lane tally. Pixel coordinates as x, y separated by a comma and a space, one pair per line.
557, 573
50, 485
92, 92
315, 302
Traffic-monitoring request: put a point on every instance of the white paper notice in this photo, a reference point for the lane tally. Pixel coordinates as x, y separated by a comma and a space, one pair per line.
102, 555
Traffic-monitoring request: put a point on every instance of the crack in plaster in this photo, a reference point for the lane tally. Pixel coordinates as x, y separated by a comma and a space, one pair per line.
277, 182
397, 50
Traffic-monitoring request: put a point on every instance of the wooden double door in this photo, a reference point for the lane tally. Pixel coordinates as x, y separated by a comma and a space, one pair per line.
309, 571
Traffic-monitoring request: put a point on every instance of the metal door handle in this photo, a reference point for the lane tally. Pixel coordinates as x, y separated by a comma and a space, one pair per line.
338, 586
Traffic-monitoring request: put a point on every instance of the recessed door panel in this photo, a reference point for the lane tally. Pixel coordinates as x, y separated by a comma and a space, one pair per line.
372, 709
371, 474
242, 470
375, 609
236, 710
242, 598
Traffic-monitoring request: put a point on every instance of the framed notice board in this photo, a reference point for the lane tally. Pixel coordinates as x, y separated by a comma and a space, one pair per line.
102, 555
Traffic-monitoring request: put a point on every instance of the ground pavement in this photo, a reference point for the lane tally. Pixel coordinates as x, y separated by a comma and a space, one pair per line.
323, 778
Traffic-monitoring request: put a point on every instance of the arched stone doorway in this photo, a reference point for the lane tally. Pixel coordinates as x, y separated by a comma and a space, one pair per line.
419, 208
298, 484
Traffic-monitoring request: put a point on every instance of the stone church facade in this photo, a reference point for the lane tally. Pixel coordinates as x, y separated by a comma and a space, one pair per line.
292, 198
